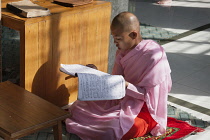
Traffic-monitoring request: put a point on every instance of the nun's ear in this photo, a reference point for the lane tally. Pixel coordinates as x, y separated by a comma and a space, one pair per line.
133, 34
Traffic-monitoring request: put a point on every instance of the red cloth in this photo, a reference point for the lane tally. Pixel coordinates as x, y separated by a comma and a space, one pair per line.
143, 124
184, 128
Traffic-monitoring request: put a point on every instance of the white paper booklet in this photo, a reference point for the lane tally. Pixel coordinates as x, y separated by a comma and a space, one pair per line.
95, 84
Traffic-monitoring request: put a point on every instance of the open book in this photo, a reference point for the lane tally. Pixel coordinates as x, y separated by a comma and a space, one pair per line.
26, 8
95, 84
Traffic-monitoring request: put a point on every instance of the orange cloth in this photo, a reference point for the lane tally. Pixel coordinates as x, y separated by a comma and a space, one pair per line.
143, 124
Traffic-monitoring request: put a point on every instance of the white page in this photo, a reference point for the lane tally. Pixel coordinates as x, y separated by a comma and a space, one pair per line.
100, 87
72, 69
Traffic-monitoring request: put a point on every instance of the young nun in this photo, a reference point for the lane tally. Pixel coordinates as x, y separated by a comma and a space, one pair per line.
143, 110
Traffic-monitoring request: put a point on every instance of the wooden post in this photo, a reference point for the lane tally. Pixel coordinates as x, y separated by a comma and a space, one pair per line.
0, 46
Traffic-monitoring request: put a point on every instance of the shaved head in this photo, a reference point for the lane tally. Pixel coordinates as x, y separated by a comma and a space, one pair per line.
125, 30
126, 21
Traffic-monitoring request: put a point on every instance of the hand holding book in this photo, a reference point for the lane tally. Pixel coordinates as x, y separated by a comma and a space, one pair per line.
92, 66
95, 84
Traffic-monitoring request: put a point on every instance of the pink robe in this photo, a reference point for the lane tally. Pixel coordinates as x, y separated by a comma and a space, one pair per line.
146, 67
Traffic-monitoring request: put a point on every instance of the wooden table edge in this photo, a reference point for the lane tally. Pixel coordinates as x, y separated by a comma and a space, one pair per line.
56, 124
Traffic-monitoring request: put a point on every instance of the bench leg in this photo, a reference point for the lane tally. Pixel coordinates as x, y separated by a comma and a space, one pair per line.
8, 138
57, 131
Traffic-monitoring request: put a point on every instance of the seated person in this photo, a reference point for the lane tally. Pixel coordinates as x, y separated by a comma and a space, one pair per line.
143, 110
164, 2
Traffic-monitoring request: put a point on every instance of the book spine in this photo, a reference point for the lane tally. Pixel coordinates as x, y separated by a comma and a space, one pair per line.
17, 10
14, 9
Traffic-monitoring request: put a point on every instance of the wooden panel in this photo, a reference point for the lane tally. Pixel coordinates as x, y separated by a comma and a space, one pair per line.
59, 93
76, 38
22, 58
91, 42
104, 36
31, 54
44, 59
82, 39
69, 35
74, 49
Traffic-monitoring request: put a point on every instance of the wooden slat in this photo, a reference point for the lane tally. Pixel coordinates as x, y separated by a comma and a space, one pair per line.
105, 20
44, 56
60, 51
31, 55
72, 57
0, 10
91, 38
22, 57
43, 53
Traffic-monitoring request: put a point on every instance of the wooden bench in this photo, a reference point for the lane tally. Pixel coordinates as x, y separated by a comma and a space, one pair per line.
23, 113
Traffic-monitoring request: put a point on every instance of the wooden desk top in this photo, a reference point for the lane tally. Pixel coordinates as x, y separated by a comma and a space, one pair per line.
55, 9
22, 111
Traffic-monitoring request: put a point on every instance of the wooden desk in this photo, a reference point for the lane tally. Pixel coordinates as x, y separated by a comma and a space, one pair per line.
23, 113
69, 35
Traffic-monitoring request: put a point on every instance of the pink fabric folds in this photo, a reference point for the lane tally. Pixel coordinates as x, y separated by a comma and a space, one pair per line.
146, 68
